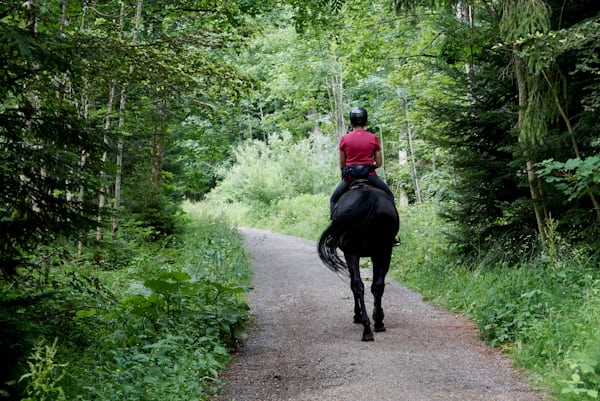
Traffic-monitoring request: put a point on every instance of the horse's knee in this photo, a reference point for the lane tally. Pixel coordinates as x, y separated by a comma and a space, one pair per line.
357, 287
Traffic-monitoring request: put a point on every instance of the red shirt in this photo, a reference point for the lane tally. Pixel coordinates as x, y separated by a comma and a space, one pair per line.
360, 147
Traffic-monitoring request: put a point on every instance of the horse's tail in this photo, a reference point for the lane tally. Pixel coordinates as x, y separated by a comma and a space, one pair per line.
327, 247
352, 217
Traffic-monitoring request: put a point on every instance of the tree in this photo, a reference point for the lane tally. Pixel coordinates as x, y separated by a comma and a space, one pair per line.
42, 138
523, 28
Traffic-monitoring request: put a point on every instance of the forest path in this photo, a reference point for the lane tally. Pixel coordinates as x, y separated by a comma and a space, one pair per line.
303, 345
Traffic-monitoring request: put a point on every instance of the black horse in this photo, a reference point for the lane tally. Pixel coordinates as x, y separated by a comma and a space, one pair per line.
365, 223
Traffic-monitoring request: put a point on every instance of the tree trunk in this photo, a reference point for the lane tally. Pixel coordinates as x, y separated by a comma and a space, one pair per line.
402, 159
102, 200
158, 146
534, 188
382, 154
336, 94
119, 171
123, 98
411, 152
464, 12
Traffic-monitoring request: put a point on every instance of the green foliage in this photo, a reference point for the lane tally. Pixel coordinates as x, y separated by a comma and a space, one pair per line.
42, 140
167, 337
203, 305
575, 178
151, 207
157, 322
264, 173
44, 374
543, 311
584, 382
509, 309
489, 200
471, 116
305, 216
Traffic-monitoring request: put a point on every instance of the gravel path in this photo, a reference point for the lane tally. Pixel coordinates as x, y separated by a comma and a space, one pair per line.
303, 345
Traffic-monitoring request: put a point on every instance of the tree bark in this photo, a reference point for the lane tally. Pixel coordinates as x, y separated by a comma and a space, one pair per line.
534, 188
122, 102
158, 146
102, 200
411, 152
336, 94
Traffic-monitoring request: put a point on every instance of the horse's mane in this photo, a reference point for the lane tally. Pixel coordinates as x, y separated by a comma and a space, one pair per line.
354, 217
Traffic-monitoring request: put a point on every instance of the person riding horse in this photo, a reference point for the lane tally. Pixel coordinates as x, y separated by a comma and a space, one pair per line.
360, 156
364, 221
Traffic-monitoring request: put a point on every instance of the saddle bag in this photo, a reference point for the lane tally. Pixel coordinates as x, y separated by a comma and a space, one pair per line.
356, 171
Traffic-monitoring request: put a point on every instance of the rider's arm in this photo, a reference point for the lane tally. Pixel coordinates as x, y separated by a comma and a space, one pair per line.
377, 157
342, 159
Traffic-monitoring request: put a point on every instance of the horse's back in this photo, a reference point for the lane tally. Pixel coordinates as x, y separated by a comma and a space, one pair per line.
381, 203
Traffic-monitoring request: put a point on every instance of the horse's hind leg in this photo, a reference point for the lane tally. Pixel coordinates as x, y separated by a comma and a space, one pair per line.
381, 265
357, 310
358, 290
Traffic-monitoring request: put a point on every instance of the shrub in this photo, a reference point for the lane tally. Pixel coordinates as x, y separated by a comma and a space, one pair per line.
264, 173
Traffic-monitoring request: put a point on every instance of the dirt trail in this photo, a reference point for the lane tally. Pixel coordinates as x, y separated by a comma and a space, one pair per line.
303, 345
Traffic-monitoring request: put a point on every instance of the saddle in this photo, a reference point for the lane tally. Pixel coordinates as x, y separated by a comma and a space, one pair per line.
360, 183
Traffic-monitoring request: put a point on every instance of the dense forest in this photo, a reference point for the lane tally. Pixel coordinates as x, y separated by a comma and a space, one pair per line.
116, 114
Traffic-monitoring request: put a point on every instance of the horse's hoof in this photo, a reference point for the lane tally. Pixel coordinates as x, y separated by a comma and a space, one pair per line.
368, 336
379, 329
357, 319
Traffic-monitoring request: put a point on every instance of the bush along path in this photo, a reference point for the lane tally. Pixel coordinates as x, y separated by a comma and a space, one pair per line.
303, 345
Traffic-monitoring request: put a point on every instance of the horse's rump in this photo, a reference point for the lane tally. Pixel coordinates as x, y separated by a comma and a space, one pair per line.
365, 222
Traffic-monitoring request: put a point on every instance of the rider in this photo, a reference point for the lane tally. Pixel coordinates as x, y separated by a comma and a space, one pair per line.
360, 155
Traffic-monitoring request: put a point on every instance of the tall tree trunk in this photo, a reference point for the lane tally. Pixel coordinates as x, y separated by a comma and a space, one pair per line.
382, 154
411, 152
534, 185
123, 97
402, 159
519, 19
102, 200
336, 94
159, 134
119, 171
158, 146
464, 12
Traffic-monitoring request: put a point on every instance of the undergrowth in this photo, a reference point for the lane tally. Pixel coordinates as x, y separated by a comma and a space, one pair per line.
158, 323
544, 312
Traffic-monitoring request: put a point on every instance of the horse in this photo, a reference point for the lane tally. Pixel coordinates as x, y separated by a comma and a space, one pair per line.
364, 224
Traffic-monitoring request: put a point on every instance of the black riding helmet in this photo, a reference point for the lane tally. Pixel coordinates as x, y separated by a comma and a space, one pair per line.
358, 116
